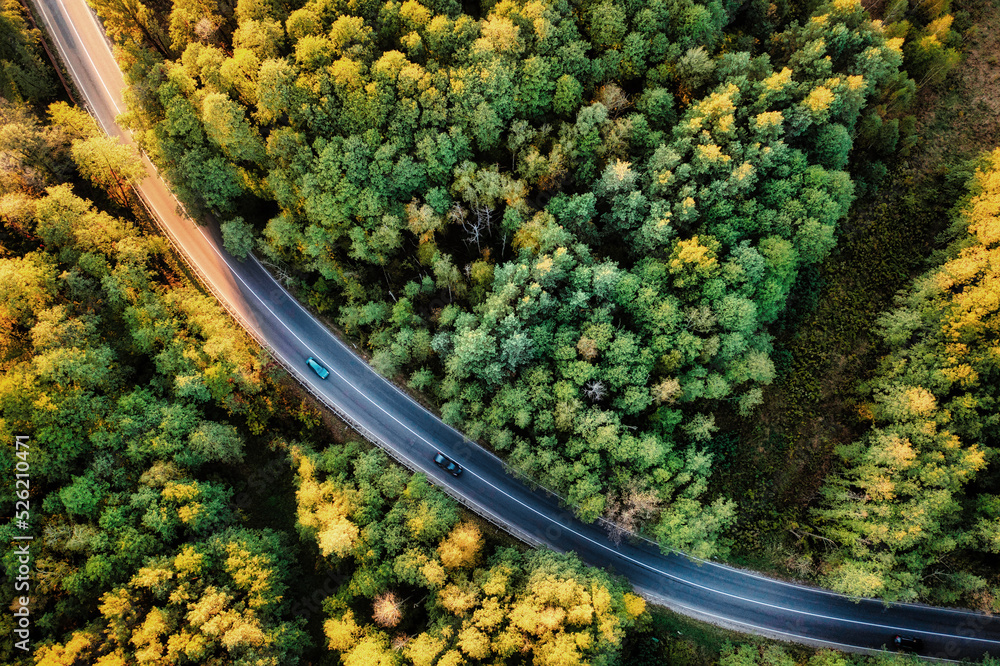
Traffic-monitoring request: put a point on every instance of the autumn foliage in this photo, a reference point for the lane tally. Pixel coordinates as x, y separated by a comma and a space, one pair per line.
905, 499
572, 225
437, 589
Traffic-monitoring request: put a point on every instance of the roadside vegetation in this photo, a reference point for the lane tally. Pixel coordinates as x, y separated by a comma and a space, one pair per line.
147, 412
176, 525
137, 396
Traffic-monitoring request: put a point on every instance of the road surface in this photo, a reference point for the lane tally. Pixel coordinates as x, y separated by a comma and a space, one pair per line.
705, 590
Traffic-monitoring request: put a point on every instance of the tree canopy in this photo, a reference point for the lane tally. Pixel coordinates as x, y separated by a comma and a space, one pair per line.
905, 499
572, 224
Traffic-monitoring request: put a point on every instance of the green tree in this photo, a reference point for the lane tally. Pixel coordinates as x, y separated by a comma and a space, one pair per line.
28, 286
226, 125
237, 237
22, 73
126, 20
109, 164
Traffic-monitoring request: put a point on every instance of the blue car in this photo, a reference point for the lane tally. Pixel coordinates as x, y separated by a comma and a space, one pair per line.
320, 370
447, 464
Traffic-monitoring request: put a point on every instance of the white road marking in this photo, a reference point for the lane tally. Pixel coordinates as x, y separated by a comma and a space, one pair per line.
570, 530
86, 52
766, 630
718, 565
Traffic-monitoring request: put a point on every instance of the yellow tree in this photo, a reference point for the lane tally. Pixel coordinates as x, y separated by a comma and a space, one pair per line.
109, 164
897, 506
461, 547
325, 510
218, 600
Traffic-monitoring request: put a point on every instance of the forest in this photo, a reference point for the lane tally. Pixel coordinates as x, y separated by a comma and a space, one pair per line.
590, 233
143, 404
916, 489
576, 227
572, 225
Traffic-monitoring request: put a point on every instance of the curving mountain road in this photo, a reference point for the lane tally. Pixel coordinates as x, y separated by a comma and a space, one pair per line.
706, 590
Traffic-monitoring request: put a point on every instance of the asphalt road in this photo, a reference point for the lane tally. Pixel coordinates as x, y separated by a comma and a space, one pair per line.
722, 595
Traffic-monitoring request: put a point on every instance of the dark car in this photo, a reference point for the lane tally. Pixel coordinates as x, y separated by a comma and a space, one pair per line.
907, 643
447, 464
319, 369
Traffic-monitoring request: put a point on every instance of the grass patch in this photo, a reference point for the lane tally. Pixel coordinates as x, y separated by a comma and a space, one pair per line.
671, 638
